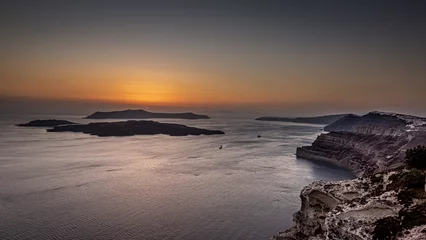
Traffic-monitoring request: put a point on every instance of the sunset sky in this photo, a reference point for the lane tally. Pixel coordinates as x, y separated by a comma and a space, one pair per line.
329, 55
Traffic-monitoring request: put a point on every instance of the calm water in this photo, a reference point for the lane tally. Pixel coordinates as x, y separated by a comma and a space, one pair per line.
76, 186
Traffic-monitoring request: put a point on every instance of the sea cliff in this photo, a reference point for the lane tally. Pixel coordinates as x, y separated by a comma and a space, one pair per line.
386, 201
367, 144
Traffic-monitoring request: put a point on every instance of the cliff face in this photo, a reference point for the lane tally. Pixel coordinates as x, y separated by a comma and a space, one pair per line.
390, 205
367, 144
387, 205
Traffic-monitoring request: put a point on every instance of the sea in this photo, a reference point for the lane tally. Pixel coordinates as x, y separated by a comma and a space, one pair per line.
78, 186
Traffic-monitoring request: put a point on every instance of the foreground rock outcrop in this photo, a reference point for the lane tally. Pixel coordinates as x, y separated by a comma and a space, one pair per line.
388, 205
45, 123
367, 144
130, 128
328, 119
142, 114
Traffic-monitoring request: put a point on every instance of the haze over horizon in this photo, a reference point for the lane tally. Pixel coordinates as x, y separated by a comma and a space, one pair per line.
288, 57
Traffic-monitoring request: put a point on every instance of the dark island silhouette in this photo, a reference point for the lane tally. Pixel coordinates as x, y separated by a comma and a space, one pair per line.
327, 119
45, 123
133, 127
142, 114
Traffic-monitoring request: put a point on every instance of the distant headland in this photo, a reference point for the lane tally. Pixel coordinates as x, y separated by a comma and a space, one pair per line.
45, 123
327, 119
142, 114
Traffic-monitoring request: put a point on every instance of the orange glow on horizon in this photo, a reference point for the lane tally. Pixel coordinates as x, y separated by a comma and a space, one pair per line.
198, 85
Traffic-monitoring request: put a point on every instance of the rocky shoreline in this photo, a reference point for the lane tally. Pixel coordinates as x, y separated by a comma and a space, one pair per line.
386, 201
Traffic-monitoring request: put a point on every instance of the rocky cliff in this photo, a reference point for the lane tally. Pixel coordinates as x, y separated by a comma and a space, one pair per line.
367, 144
388, 205
385, 202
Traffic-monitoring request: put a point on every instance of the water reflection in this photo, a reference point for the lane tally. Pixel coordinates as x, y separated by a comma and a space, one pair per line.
155, 187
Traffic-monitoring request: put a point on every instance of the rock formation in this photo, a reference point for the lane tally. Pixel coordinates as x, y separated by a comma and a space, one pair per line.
45, 123
389, 205
367, 144
130, 128
142, 114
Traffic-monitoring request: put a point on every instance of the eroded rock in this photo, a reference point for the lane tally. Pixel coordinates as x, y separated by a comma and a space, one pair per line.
364, 208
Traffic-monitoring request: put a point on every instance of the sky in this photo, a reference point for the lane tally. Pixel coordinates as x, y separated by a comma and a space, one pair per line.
284, 56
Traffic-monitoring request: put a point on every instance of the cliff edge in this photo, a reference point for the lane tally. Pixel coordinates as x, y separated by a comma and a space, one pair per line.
387, 200
367, 144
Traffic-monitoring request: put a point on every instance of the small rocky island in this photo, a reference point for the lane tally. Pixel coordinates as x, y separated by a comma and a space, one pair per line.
328, 119
45, 123
142, 114
133, 127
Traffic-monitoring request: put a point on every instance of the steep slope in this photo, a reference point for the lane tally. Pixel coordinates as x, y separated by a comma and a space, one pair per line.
366, 144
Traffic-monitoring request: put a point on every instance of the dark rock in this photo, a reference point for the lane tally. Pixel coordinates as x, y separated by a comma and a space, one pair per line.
258, 136
130, 128
314, 120
415, 216
45, 123
142, 114
386, 228
416, 157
